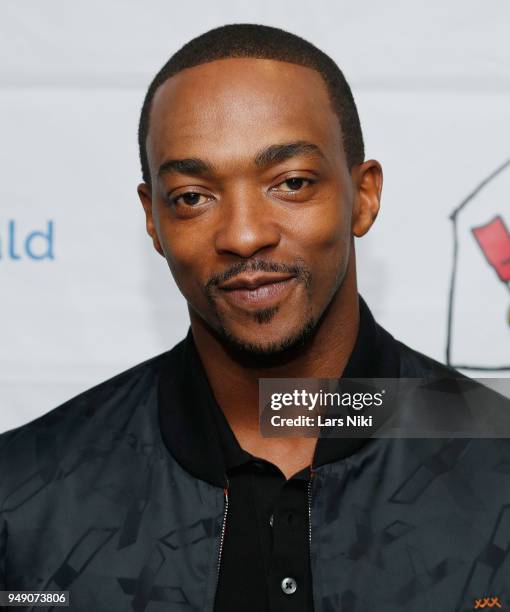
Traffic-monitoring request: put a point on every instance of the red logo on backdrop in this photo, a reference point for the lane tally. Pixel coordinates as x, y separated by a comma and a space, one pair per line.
494, 240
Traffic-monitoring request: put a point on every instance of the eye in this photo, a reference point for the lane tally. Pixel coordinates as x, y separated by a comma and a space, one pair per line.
190, 198
293, 184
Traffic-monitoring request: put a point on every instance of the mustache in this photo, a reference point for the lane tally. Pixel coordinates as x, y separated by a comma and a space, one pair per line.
298, 269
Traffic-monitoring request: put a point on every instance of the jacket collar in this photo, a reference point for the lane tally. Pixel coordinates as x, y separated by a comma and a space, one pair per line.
188, 411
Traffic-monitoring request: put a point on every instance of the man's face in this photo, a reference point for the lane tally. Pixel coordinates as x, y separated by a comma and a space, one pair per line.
251, 201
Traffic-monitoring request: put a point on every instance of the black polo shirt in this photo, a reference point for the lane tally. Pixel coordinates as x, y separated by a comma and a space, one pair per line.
265, 562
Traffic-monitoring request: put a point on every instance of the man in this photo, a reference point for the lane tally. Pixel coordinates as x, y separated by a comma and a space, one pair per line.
156, 490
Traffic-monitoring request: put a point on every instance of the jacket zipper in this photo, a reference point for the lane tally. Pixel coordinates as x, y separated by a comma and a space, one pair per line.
310, 483
222, 537
312, 474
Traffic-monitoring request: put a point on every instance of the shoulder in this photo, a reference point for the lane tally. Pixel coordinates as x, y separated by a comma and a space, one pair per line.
89, 424
103, 396
467, 405
414, 364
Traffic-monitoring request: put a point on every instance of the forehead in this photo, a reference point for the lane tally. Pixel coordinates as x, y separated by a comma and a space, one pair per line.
234, 107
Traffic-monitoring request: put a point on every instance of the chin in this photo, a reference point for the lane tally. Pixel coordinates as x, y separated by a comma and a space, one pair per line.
264, 348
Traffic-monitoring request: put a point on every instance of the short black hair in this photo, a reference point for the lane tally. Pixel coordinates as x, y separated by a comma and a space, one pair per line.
261, 42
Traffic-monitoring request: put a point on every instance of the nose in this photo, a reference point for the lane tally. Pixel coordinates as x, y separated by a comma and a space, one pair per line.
247, 226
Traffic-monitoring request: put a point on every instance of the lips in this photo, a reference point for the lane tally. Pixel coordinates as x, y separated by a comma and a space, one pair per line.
253, 281
258, 290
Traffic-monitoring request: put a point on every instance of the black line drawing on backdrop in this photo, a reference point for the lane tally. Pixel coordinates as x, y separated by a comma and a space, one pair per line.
493, 240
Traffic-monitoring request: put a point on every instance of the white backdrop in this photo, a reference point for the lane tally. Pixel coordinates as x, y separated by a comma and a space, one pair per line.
82, 294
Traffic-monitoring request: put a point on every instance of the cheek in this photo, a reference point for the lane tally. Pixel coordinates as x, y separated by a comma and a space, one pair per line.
325, 240
325, 234
185, 257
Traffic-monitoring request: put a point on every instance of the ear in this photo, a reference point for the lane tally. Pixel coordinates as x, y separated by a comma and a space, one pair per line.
145, 195
368, 180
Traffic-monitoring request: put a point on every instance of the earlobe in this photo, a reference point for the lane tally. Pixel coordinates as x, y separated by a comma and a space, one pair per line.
368, 180
145, 195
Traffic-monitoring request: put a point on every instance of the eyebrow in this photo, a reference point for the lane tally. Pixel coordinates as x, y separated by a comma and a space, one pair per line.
276, 154
192, 166
270, 156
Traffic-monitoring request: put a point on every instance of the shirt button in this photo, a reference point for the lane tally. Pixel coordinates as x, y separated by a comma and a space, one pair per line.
289, 586
271, 520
